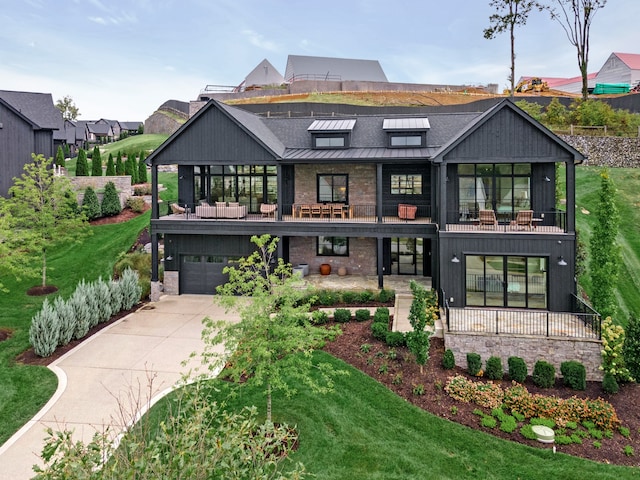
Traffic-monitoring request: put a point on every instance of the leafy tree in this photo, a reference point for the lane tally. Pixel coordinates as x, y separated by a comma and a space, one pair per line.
82, 166
575, 17
111, 168
510, 14
110, 201
141, 129
418, 340
142, 169
40, 217
604, 263
631, 348
96, 163
119, 165
555, 113
68, 108
91, 204
273, 342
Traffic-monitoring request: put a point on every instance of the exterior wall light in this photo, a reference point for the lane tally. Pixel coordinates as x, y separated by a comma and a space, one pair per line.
561, 262
455, 259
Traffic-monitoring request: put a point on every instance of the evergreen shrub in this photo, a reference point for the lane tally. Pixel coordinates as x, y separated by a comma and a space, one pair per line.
381, 315
544, 374
110, 201
82, 166
78, 302
44, 332
610, 384
474, 363
448, 360
96, 162
574, 375
103, 296
131, 288
67, 319
362, 315
517, 369
385, 296
493, 368
91, 204
349, 296
116, 296
379, 331
395, 339
365, 296
136, 204
342, 315
111, 167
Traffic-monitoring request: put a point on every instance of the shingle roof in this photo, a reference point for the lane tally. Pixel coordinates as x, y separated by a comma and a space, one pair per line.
37, 107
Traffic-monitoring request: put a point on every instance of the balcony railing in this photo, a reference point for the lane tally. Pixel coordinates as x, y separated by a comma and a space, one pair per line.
541, 221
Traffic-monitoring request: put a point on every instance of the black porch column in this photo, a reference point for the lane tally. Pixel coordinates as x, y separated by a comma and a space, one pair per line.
380, 252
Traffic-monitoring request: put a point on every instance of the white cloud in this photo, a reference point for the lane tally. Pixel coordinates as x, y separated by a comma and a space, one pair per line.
257, 40
98, 20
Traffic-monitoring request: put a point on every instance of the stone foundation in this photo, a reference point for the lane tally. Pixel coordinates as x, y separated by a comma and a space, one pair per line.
554, 350
156, 291
171, 283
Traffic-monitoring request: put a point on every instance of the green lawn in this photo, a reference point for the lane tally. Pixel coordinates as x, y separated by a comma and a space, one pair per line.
364, 431
135, 143
627, 182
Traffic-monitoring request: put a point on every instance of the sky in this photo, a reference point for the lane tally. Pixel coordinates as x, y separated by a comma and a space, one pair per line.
122, 59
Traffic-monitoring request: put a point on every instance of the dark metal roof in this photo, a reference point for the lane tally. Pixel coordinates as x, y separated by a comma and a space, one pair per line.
415, 124
37, 107
332, 125
314, 68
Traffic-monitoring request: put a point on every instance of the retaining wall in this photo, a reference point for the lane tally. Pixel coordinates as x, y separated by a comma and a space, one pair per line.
554, 350
607, 151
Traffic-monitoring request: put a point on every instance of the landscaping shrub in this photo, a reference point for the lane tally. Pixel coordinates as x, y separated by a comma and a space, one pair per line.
631, 347
319, 317
544, 374
96, 162
142, 169
517, 369
136, 204
111, 167
142, 189
362, 315
508, 424
474, 363
487, 395
365, 296
488, 422
342, 315
119, 164
574, 375
610, 384
395, 339
44, 333
66, 318
327, 298
448, 360
82, 166
379, 331
103, 297
385, 296
110, 201
116, 296
131, 289
381, 315
91, 204
613, 340
493, 368
78, 302
349, 297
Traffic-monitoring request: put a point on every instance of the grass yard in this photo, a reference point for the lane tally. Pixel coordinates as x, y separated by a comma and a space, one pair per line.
627, 182
134, 143
25, 389
364, 431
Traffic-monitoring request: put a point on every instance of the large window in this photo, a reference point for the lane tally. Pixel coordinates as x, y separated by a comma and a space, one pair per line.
406, 184
250, 185
333, 188
506, 281
330, 141
505, 188
333, 246
399, 140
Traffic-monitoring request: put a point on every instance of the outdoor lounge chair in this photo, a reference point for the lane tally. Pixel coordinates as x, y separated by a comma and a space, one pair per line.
524, 220
488, 219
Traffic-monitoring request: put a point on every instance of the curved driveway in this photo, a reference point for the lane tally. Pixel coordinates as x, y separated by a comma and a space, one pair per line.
111, 370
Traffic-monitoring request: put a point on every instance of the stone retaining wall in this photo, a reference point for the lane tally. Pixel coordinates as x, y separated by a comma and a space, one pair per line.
607, 151
554, 350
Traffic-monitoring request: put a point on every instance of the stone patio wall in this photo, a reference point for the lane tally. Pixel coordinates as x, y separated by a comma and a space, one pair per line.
554, 350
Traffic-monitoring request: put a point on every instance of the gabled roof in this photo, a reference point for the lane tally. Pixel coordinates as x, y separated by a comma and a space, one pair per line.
130, 125
263, 74
631, 60
99, 128
37, 107
301, 67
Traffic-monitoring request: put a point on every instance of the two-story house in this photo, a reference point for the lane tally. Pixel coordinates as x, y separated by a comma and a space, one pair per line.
468, 199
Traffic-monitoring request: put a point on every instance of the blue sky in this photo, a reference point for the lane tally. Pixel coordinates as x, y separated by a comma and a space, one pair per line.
122, 59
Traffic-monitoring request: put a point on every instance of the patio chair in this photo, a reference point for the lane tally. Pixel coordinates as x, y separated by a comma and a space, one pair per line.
524, 220
488, 219
316, 210
305, 211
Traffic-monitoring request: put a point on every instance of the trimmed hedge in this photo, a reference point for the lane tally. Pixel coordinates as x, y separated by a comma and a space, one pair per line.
544, 374
493, 368
342, 315
395, 339
517, 369
379, 331
448, 360
574, 375
362, 315
474, 363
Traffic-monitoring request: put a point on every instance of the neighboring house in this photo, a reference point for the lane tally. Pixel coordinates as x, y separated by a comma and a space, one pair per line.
29, 123
99, 132
130, 128
114, 124
302, 67
620, 68
263, 75
467, 199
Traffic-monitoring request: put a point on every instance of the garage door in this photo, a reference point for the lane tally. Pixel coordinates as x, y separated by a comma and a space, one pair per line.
201, 274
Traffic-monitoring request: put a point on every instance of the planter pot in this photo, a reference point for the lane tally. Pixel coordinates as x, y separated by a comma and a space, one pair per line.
342, 271
298, 271
325, 269
305, 268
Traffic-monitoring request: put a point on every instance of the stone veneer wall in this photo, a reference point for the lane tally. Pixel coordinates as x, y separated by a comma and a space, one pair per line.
171, 285
361, 259
122, 183
607, 151
364, 176
530, 348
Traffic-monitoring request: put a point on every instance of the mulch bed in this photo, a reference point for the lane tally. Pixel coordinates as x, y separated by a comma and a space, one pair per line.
436, 401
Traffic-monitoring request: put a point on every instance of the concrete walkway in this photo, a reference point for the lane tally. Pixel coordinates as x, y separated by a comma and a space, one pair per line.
111, 370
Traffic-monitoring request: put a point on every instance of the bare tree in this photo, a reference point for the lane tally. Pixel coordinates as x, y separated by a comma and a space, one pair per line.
510, 13
575, 17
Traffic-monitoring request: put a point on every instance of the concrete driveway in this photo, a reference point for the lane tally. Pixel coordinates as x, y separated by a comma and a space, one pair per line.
111, 370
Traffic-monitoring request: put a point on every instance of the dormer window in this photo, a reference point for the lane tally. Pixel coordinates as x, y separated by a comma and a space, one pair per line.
331, 133
406, 132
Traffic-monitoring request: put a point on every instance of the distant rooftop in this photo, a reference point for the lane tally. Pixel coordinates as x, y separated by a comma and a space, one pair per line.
301, 67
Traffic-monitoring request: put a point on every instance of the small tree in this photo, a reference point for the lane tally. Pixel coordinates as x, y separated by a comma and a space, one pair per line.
91, 204
110, 201
111, 168
68, 108
67, 151
40, 217
418, 340
142, 169
60, 157
82, 166
96, 163
120, 170
130, 168
605, 259
631, 348
273, 342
